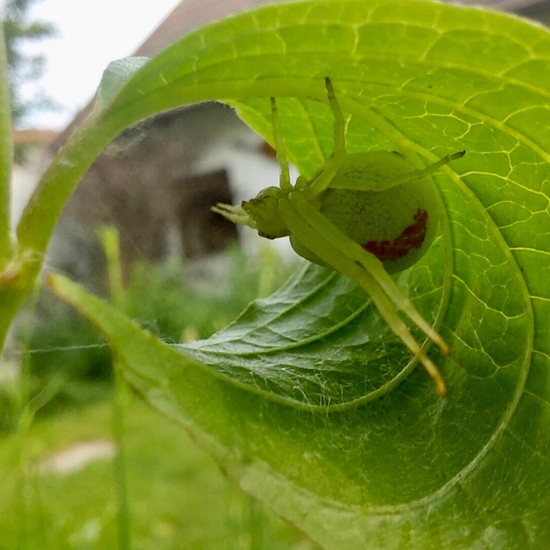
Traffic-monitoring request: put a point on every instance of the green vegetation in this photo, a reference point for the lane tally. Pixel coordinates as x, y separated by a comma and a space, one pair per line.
178, 497
68, 363
308, 400
19, 31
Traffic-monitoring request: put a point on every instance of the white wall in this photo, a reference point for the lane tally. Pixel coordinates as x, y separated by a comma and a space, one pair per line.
24, 180
237, 149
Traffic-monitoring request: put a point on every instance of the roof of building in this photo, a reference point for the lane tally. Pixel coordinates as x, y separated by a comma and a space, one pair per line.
33, 136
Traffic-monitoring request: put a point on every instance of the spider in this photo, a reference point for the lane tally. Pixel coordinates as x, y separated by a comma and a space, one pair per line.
364, 215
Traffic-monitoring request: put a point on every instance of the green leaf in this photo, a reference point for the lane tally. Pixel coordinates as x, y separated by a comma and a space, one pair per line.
115, 75
307, 399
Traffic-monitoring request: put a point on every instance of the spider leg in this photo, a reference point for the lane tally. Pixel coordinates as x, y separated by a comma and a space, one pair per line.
236, 214
370, 263
323, 178
284, 175
416, 175
337, 250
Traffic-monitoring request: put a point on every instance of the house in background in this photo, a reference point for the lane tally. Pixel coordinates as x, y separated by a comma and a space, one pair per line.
32, 153
157, 182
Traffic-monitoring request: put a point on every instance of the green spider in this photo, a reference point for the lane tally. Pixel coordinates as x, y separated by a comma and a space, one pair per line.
363, 215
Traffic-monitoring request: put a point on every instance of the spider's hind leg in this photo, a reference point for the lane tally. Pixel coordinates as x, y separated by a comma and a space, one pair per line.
344, 255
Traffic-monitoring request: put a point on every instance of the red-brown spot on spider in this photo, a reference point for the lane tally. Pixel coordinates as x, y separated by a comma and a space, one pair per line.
411, 237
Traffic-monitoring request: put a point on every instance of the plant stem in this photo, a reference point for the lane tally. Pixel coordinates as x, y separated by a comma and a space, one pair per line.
255, 524
6, 157
111, 245
110, 242
118, 409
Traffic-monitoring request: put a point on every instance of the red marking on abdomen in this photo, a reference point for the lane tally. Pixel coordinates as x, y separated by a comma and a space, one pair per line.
412, 237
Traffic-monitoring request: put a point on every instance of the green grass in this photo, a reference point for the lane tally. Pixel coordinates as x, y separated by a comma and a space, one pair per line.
178, 496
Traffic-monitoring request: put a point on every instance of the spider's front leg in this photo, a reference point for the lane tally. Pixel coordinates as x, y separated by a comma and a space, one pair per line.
261, 213
327, 173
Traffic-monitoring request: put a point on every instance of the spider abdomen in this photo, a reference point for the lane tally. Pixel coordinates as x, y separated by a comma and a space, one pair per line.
371, 201
412, 237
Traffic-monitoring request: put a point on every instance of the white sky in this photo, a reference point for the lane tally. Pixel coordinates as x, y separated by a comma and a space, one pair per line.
90, 34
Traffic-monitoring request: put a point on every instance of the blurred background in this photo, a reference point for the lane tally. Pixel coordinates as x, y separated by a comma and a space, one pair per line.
153, 188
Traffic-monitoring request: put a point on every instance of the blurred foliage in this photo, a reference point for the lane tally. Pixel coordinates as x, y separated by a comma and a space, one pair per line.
65, 361
19, 30
178, 496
